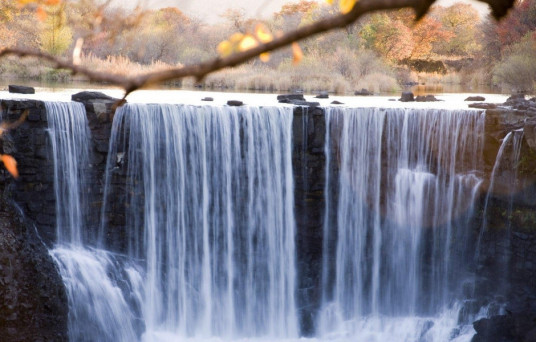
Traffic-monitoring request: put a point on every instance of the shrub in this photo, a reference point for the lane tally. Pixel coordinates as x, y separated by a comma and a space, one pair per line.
517, 69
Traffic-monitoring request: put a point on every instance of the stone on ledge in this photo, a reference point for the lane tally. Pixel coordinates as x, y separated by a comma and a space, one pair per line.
407, 96
235, 103
17, 89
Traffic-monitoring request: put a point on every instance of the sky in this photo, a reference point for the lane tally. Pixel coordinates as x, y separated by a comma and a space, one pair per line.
210, 10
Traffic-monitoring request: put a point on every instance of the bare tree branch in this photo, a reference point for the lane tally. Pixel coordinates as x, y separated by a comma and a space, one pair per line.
199, 71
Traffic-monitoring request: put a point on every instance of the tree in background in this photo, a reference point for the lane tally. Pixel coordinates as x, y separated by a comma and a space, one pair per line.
56, 35
461, 21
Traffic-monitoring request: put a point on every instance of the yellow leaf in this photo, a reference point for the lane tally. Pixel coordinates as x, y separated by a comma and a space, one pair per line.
11, 165
346, 5
297, 53
329, 2
236, 38
41, 14
264, 57
225, 48
248, 42
263, 34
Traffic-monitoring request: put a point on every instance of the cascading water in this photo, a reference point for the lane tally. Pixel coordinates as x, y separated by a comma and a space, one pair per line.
406, 188
210, 217
98, 284
70, 139
501, 193
209, 231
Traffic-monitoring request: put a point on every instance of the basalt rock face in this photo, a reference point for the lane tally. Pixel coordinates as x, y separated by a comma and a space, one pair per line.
34, 301
506, 259
308, 163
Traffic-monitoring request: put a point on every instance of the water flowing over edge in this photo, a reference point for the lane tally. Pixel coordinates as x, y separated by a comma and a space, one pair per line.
125, 285
212, 187
406, 190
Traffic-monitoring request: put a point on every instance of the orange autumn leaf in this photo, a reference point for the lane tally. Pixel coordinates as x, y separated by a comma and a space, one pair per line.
41, 14
297, 54
11, 165
264, 57
52, 2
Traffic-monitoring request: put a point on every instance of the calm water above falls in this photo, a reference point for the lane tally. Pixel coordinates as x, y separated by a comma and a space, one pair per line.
211, 250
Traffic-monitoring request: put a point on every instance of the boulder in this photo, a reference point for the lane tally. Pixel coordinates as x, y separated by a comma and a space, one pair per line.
18, 89
475, 98
322, 95
337, 102
85, 96
427, 98
407, 96
207, 99
363, 92
286, 98
235, 103
34, 304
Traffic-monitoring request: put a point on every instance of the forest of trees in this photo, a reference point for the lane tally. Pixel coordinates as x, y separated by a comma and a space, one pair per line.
381, 52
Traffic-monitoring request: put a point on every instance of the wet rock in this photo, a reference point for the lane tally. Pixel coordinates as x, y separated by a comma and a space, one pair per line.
91, 95
207, 99
530, 133
34, 302
475, 98
322, 95
427, 98
407, 96
235, 103
363, 92
506, 328
17, 89
337, 102
287, 98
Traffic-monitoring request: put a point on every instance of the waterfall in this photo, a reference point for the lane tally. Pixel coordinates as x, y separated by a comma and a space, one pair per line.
406, 190
197, 239
100, 287
70, 139
501, 192
210, 217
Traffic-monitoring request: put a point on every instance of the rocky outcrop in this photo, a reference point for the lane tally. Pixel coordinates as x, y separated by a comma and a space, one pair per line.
34, 301
308, 163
